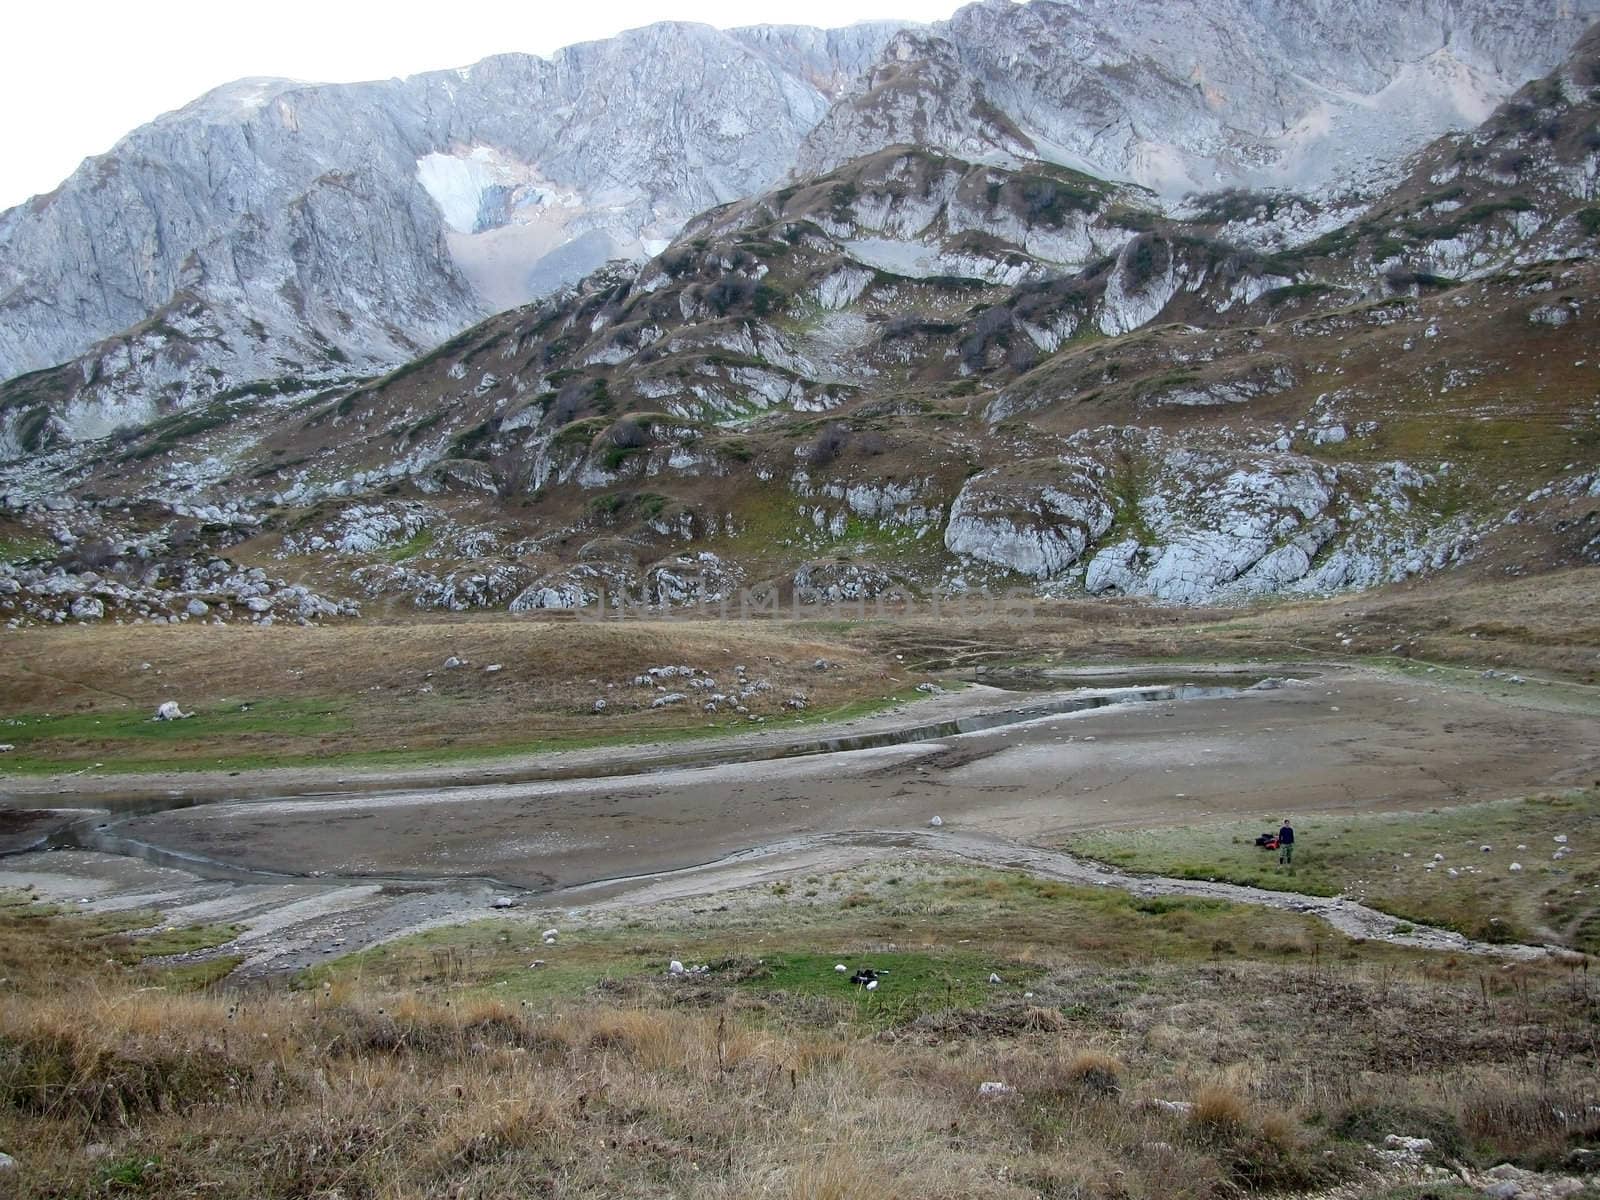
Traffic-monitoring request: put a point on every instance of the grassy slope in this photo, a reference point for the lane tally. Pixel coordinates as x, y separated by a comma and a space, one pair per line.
126, 942
445, 1065
373, 694
1387, 861
377, 694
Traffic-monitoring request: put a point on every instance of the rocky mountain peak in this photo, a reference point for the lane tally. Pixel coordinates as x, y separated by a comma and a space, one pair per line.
919, 93
285, 240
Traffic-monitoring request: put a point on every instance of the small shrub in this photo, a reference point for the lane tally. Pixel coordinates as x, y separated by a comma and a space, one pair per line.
1219, 1113
627, 434
828, 444
1147, 257
1096, 1072
1043, 1020
1373, 1121
729, 293
565, 407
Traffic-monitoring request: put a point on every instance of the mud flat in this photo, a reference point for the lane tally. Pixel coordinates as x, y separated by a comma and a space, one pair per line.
312, 875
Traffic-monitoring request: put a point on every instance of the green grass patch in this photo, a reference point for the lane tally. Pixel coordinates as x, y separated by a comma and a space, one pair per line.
24, 549
934, 933
912, 983
417, 544
215, 736
231, 746
1383, 860
303, 718
1126, 490
128, 939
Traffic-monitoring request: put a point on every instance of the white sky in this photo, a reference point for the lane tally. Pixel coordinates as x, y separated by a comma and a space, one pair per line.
75, 75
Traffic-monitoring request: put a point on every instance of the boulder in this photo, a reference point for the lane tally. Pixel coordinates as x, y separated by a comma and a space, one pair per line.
1410, 1145
1035, 518
87, 608
1220, 526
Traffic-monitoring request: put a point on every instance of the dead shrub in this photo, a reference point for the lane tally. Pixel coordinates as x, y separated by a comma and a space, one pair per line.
828, 444
63, 1073
1096, 1072
1043, 1020
844, 1174
489, 1132
1280, 1129
1219, 1113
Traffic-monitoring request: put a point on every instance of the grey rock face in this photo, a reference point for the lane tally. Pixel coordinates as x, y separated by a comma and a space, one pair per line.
277, 230
383, 217
1196, 95
1035, 518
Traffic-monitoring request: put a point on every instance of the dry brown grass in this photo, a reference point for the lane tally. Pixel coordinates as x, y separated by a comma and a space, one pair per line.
1543, 623
383, 688
1096, 1072
379, 1085
379, 688
1219, 1111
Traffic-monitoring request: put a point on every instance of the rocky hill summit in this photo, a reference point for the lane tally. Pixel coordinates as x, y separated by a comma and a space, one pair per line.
917, 372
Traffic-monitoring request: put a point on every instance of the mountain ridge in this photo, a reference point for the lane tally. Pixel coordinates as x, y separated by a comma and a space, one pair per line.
354, 264
913, 374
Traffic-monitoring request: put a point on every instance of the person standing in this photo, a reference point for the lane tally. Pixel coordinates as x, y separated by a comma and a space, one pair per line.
1286, 844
